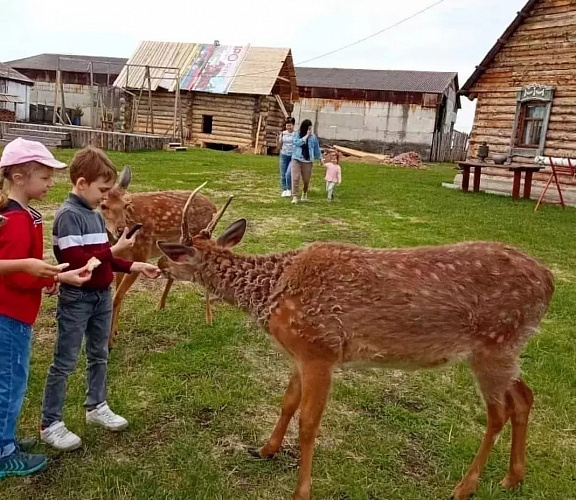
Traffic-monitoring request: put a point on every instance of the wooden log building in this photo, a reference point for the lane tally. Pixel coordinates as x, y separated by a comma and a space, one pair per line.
210, 95
526, 88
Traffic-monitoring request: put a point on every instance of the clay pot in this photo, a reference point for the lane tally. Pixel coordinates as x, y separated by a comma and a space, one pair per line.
499, 159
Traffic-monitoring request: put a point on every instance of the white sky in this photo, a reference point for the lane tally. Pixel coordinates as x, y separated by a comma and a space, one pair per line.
453, 36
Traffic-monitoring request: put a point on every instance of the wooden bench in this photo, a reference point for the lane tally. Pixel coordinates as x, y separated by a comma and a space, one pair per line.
529, 170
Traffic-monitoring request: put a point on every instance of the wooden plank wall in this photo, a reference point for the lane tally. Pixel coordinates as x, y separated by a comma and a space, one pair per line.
542, 51
162, 111
449, 147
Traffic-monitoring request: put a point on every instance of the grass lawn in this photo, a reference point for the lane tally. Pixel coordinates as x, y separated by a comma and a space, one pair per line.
197, 396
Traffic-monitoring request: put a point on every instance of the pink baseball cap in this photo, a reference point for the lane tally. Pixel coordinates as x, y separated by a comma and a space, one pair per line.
23, 151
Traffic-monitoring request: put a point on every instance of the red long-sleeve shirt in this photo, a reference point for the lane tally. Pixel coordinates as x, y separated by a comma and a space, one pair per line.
21, 237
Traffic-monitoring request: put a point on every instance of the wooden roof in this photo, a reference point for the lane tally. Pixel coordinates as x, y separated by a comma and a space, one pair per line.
483, 66
259, 71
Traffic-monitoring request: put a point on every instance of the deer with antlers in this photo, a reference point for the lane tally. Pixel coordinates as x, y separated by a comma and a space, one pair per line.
161, 216
332, 304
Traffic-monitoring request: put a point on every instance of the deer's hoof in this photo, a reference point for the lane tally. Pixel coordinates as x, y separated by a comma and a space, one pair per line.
255, 452
463, 491
511, 481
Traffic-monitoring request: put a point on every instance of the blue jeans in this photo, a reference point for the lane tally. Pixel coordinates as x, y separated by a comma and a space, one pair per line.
15, 343
80, 313
285, 175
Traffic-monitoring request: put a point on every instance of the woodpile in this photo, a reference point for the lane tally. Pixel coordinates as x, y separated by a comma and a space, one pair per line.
410, 159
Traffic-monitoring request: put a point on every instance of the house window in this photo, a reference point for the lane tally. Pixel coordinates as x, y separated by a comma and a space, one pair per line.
533, 105
207, 124
531, 124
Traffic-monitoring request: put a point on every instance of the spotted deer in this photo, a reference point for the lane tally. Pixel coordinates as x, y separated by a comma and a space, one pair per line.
332, 304
161, 215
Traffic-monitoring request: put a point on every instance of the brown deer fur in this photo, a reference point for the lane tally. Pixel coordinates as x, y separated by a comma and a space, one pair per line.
161, 216
331, 304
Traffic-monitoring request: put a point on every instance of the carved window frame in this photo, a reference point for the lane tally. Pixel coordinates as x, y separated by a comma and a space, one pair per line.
538, 94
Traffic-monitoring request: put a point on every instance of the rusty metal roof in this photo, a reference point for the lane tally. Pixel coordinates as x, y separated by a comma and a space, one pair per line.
207, 68
483, 66
9, 73
70, 63
432, 82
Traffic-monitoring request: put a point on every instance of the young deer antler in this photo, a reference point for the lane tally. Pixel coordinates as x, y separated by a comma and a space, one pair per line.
209, 229
330, 304
185, 237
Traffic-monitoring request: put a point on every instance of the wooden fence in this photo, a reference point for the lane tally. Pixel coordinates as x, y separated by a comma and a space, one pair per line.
449, 147
84, 136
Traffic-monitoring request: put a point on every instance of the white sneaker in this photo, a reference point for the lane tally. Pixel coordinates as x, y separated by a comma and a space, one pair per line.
104, 416
288, 193
60, 438
304, 196
294, 200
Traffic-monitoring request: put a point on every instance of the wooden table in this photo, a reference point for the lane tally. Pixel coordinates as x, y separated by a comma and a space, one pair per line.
529, 170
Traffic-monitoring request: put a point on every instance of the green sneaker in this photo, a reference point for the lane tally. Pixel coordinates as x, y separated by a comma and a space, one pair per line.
21, 464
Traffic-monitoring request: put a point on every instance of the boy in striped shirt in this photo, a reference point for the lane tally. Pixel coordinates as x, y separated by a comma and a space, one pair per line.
79, 236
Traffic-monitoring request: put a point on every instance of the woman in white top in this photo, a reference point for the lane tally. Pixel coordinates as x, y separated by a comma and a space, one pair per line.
286, 148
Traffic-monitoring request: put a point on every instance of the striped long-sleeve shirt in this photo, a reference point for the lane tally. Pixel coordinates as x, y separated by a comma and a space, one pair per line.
79, 233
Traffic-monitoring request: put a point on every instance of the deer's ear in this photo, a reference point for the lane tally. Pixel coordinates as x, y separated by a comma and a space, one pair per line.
233, 235
176, 252
124, 178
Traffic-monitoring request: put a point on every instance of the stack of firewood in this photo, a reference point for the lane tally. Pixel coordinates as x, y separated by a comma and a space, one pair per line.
410, 159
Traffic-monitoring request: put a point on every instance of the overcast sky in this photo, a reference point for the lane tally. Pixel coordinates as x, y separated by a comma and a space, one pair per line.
453, 36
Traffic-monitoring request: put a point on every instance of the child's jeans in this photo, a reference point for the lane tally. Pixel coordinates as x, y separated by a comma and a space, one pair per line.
80, 313
330, 189
285, 176
15, 342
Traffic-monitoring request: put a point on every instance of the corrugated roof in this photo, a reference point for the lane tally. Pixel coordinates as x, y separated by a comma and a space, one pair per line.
479, 71
11, 98
70, 63
432, 82
206, 67
11, 74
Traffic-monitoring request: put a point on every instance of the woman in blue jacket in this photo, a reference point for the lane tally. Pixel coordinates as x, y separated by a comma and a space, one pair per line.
306, 150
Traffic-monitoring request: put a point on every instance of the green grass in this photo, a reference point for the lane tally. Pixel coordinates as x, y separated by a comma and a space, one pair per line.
196, 395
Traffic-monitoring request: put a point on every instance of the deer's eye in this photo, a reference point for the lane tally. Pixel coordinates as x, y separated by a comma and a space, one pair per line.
104, 206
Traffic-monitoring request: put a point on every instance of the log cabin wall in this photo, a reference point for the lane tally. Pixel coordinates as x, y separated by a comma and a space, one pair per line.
541, 51
231, 117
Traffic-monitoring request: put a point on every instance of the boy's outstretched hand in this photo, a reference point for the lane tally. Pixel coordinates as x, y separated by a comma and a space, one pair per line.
77, 277
148, 270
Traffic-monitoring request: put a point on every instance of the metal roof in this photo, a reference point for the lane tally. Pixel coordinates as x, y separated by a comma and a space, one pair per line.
9, 73
483, 66
432, 82
70, 63
11, 98
207, 68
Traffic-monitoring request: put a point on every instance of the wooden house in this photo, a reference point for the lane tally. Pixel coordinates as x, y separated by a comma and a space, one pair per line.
210, 95
379, 111
526, 90
14, 94
84, 81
